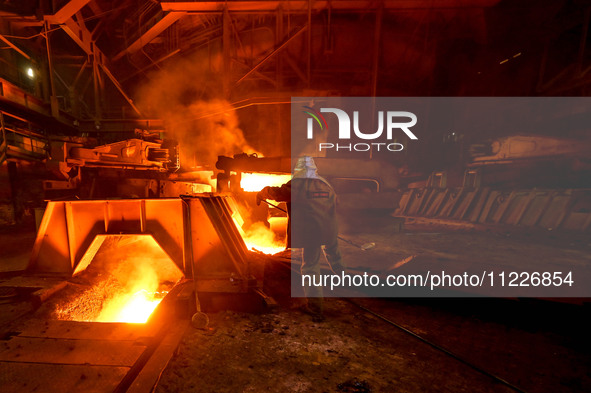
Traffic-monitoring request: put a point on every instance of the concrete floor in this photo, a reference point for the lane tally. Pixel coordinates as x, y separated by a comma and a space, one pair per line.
537, 346
533, 345
16, 245
353, 351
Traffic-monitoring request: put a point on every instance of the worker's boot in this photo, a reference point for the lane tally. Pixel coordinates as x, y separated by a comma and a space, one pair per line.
316, 307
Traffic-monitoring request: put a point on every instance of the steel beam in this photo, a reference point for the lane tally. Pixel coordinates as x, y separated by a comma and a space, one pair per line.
309, 46
260, 75
376, 53
122, 125
291, 62
3, 142
52, 99
16, 48
119, 87
270, 55
66, 12
226, 47
302, 5
152, 33
81, 36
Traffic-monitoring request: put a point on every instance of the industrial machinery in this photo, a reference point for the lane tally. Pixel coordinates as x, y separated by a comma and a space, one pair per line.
520, 180
134, 168
364, 187
360, 184
195, 235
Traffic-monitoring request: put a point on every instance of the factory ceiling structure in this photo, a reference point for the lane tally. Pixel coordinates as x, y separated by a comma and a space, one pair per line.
104, 69
90, 59
193, 80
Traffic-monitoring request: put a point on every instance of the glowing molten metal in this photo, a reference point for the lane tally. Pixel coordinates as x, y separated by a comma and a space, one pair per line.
256, 235
254, 182
261, 238
131, 308
129, 276
139, 308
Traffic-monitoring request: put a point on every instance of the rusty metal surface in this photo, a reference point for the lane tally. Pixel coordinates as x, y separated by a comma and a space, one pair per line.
150, 373
20, 377
69, 228
220, 257
246, 163
302, 5
568, 209
32, 282
523, 147
51, 356
66, 351
198, 233
87, 330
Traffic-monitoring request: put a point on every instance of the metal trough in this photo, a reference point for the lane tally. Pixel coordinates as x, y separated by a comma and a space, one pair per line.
196, 232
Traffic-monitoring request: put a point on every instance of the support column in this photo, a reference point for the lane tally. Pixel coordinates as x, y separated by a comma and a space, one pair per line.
226, 66
52, 98
279, 33
98, 113
309, 45
376, 51
375, 69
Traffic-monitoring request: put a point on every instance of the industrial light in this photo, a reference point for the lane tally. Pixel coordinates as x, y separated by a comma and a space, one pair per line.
30, 72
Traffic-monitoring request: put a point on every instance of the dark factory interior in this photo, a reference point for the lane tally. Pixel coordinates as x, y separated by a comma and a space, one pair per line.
144, 245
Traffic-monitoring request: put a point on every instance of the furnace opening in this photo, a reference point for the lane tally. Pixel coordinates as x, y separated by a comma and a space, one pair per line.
254, 182
124, 281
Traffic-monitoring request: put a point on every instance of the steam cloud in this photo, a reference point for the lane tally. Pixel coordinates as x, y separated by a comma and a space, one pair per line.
190, 102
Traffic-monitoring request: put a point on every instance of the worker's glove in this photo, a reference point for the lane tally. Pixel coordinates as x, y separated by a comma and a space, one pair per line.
262, 195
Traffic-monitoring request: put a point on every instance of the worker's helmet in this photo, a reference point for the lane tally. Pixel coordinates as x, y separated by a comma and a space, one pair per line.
305, 167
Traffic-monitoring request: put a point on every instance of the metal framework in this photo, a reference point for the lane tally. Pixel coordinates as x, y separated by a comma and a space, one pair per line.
166, 29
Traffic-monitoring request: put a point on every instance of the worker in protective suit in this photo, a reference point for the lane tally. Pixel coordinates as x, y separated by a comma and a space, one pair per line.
311, 206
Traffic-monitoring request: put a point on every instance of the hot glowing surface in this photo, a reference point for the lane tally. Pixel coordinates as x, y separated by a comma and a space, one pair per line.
137, 308
262, 239
126, 280
254, 182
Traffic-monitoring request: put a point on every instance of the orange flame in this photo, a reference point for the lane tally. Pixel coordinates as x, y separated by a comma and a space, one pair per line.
254, 182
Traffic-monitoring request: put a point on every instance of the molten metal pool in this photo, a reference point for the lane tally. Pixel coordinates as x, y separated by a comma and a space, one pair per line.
127, 279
